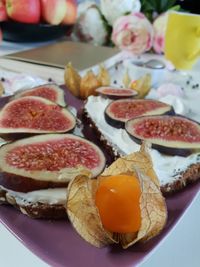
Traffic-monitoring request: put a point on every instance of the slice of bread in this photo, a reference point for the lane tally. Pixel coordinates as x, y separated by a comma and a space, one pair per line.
34, 209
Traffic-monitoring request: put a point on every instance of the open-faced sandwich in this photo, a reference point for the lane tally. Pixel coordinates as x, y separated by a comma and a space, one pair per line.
122, 119
175, 139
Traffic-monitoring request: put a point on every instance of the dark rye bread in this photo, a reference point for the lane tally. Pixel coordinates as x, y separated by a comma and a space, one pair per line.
36, 210
189, 176
90, 128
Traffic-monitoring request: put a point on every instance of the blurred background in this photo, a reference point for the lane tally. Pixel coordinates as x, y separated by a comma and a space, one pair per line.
191, 5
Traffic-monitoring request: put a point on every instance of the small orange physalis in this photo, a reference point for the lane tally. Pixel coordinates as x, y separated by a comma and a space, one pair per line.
117, 199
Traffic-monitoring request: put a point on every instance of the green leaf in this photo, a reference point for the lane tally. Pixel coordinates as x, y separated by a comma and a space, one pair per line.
158, 6
166, 4
176, 8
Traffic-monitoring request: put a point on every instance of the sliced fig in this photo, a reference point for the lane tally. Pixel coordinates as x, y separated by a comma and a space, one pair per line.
120, 111
33, 114
175, 135
46, 161
116, 93
49, 91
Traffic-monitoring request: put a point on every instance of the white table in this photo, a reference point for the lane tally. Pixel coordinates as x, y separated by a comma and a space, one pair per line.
181, 248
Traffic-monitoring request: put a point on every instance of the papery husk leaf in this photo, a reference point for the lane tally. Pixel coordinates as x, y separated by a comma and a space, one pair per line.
142, 86
72, 80
2, 90
67, 174
103, 76
126, 80
152, 203
83, 213
138, 160
153, 212
89, 83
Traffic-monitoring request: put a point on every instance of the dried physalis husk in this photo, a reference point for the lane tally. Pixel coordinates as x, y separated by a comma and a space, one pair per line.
72, 80
67, 174
84, 214
1, 88
103, 76
89, 83
82, 87
126, 79
142, 85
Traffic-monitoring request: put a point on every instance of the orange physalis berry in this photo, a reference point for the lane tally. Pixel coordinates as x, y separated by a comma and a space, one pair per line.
118, 202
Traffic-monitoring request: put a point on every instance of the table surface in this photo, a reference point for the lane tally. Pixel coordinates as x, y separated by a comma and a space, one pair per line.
179, 249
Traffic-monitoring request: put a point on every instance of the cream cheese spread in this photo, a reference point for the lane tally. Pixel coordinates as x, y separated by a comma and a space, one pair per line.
46, 196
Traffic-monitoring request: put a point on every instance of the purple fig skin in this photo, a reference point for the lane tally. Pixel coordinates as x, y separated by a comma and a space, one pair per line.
114, 96
114, 123
25, 184
16, 136
121, 124
183, 152
10, 137
37, 91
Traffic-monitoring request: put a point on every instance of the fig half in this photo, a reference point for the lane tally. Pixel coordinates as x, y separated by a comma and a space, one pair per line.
174, 135
49, 91
45, 161
33, 114
120, 111
115, 93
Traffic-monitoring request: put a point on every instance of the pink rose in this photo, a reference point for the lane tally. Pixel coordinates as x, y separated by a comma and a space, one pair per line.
160, 25
133, 33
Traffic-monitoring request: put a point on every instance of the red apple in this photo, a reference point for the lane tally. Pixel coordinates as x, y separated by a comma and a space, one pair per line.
3, 13
71, 14
27, 11
1, 36
53, 11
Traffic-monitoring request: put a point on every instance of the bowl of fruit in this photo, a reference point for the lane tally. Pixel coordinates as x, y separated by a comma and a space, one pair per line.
36, 20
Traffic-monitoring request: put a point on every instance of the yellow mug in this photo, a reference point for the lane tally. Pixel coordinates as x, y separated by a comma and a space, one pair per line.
182, 39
